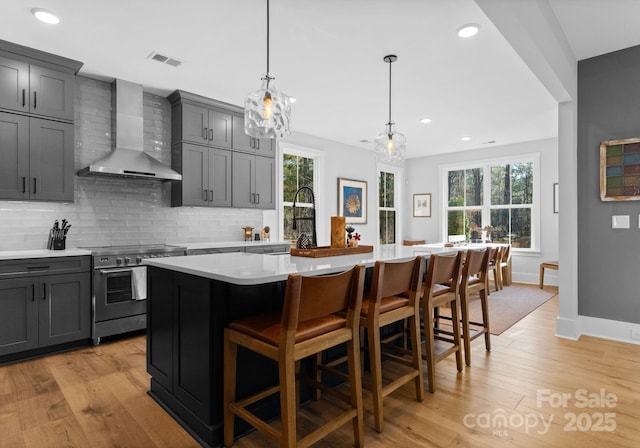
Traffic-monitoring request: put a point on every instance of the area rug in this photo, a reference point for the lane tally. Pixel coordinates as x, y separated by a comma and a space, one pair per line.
509, 305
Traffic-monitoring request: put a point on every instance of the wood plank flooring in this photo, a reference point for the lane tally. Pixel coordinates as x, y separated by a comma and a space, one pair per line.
96, 397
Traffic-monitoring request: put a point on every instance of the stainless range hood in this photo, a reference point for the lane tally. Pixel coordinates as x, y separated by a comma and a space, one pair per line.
127, 159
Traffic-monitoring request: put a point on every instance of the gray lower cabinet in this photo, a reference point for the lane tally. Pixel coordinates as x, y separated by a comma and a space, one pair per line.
38, 311
206, 176
36, 158
253, 181
261, 249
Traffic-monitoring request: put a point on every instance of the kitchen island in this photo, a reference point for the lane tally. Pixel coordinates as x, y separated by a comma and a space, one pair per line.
193, 298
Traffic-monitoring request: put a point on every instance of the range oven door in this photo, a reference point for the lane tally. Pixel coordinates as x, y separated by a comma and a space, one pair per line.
115, 291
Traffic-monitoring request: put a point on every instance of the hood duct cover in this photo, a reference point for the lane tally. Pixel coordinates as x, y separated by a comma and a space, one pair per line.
127, 159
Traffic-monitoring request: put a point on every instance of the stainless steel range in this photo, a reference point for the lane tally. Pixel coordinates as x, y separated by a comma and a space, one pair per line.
119, 287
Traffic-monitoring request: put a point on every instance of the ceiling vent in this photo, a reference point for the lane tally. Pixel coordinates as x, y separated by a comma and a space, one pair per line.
165, 59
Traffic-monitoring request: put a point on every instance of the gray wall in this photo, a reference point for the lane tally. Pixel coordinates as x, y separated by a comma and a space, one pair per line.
609, 259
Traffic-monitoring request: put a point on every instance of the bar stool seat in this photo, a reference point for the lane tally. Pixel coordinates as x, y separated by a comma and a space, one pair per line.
318, 313
548, 265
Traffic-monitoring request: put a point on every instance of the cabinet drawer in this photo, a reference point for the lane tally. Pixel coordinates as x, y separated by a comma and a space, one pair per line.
44, 266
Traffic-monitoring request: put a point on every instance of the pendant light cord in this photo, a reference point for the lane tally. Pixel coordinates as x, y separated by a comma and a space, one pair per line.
267, 39
390, 62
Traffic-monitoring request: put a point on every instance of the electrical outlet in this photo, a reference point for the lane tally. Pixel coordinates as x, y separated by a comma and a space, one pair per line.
635, 333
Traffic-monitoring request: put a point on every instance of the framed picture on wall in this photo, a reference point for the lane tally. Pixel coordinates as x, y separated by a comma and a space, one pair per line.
619, 170
422, 205
352, 200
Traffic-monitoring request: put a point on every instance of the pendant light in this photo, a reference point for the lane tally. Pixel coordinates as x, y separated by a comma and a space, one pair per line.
267, 111
390, 145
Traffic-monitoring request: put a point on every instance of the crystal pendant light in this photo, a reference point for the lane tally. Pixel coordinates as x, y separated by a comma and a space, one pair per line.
390, 145
267, 111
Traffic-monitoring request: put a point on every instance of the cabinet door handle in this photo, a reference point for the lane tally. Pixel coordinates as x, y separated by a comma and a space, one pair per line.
205, 133
35, 99
204, 195
258, 196
34, 185
252, 142
33, 292
210, 195
24, 184
44, 291
257, 143
24, 98
210, 134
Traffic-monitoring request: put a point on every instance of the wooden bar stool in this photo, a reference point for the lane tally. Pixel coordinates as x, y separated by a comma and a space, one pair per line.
505, 266
441, 289
394, 297
473, 280
549, 265
308, 324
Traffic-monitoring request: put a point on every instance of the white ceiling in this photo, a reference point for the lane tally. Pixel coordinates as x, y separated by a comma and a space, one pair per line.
329, 55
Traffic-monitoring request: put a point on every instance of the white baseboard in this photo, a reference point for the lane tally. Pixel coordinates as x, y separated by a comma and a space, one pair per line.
568, 328
608, 329
526, 277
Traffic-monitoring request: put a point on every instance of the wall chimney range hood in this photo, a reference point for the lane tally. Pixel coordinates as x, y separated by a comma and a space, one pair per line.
127, 159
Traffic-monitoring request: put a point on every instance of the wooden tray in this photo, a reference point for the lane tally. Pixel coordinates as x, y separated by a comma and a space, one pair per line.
326, 251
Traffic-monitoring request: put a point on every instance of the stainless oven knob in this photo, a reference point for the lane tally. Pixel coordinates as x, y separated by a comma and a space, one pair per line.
119, 261
138, 260
127, 260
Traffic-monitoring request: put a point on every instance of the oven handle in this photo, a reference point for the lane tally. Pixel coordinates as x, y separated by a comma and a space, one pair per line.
114, 271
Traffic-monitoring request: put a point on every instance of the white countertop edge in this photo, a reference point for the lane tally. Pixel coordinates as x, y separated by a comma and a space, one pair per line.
222, 244
41, 253
243, 268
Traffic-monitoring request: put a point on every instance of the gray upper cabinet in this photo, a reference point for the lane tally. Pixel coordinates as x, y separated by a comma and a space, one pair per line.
37, 158
242, 142
14, 157
221, 166
253, 181
37, 90
36, 124
50, 160
202, 125
206, 176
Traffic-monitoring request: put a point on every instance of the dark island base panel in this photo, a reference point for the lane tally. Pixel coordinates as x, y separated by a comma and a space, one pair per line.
209, 436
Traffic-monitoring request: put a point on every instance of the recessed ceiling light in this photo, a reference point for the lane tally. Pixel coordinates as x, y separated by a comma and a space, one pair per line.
292, 99
46, 16
425, 120
465, 139
468, 30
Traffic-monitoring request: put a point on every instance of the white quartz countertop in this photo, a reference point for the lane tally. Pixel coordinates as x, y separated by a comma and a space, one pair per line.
242, 268
41, 253
221, 244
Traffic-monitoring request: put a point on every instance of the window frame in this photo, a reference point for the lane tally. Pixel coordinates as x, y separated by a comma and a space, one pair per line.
486, 208
318, 184
398, 177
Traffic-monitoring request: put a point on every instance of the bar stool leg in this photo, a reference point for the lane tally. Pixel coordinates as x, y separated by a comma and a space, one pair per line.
541, 275
375, 362
456, 333
355, 384
416, 352
287, 372
466, 328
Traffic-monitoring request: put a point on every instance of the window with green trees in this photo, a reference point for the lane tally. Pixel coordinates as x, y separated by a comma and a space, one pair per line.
492, 201
387, 207
297, 171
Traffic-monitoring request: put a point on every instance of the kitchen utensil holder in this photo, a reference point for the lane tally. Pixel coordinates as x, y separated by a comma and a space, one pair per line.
59, 244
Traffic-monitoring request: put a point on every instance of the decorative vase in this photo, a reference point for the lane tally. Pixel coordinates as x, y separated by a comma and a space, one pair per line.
304, 242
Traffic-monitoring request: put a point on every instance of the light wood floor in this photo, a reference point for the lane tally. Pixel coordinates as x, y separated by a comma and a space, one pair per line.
96, 397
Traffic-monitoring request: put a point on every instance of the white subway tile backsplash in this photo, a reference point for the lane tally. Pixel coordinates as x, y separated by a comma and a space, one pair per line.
116, 211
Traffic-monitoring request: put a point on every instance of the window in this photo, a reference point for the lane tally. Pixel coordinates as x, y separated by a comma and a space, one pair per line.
387, 207
492, 201
297, 171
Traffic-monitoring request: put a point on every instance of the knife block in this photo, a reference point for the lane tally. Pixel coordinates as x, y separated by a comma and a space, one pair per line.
338, 237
